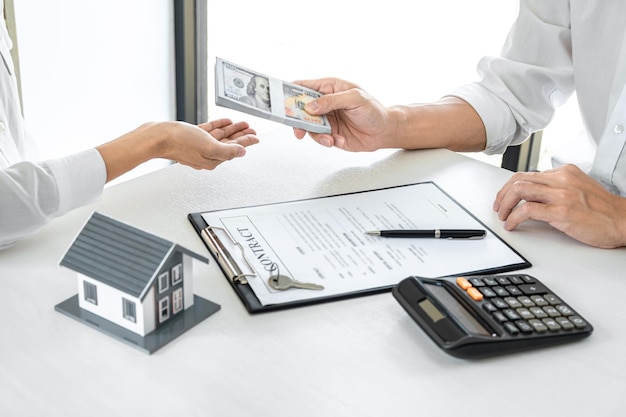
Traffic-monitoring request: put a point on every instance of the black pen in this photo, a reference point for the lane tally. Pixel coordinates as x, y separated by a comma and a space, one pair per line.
434, 233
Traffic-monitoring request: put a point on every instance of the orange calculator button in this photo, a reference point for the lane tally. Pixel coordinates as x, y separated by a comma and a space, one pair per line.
463, 283
475, 294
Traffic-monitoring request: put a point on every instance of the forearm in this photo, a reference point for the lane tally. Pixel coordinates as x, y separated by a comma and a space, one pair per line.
131, 149
201, 147
450, 123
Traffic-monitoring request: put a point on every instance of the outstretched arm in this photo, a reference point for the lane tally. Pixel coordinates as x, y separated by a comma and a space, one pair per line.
361, 123
201, 147
34, 193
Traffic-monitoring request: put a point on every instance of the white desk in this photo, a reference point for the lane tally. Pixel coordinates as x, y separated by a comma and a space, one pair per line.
358, 357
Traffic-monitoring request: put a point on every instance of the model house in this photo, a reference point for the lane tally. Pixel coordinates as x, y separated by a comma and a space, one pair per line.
131, 278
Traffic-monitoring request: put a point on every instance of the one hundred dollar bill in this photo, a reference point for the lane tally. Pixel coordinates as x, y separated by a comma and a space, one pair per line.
241, 89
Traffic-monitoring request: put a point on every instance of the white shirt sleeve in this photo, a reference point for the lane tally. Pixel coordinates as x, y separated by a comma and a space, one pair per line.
518, 91
31, 194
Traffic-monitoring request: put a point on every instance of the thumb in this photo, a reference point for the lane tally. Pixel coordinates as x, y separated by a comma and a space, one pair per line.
228, 151
322, 105
336, 101
313, 107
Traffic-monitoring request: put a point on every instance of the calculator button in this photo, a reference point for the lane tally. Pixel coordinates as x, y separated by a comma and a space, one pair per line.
552, 325
463, 283
475, 294
513, 290
539, 300
578, 322
490, 308
477, 282
526, 302
487, 292
552, 299
512, 302
525, 313
503, 280
501, 291
565, 323
490, 281
511, 314
538, 326
530, 289
552, 312
501, 318
524, 326
500, 303
511, 328
516, 280
538, 312
564, 310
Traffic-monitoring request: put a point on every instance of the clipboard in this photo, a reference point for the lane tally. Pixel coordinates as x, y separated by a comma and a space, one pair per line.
238, 270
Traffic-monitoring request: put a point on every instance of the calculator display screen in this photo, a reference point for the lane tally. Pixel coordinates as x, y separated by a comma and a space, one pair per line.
454, 309
432, 311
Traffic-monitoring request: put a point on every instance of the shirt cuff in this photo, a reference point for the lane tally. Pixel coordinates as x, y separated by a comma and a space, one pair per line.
499, 124
80, 179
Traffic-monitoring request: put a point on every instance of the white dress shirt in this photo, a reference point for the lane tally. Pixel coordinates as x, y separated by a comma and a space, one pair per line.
554, 48
33, 193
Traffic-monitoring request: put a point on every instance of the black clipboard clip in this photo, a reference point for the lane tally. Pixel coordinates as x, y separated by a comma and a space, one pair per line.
223, 256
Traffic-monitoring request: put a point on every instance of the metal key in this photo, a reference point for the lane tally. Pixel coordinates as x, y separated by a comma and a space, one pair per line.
283, 282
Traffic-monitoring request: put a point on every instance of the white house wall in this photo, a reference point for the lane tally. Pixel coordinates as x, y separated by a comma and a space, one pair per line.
188, 281
149, 312
110, 305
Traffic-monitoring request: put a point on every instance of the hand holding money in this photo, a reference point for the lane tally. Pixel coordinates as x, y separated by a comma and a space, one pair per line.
257, 94
359, 122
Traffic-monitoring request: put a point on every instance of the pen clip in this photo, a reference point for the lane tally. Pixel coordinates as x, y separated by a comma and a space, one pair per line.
224, 257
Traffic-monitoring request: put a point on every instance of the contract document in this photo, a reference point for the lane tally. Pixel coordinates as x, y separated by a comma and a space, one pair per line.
323, 241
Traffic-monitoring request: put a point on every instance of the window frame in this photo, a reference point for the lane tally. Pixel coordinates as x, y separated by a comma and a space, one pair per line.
190, 38
90, 292
129, 310
163, 281
177, 301
164, 309
177, 274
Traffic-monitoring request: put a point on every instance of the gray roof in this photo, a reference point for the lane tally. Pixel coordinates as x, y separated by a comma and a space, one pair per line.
119, 255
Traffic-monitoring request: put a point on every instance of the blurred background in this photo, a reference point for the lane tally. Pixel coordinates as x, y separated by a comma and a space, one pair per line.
94, 70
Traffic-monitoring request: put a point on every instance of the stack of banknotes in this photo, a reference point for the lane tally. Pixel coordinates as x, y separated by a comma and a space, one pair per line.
241, 89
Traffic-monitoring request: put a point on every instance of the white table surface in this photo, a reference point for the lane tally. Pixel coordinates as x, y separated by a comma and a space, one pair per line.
357, 357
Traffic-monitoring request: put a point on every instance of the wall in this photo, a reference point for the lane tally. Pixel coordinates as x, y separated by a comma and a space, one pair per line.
93, 70
399, 52
109, 306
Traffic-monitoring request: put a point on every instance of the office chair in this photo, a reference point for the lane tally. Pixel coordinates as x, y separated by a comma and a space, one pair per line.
523, 157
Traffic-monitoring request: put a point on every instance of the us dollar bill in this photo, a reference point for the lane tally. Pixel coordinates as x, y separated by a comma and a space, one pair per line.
254, 93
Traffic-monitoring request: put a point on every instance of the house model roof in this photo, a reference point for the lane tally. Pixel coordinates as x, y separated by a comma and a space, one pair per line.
119, 255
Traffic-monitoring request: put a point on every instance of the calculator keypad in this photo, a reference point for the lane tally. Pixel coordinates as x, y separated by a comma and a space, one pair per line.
521, 304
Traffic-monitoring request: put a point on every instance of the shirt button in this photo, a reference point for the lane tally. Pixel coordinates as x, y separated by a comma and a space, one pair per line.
618, 129
2, 126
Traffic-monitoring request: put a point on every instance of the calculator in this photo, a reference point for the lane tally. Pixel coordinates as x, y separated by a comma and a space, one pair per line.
487, 315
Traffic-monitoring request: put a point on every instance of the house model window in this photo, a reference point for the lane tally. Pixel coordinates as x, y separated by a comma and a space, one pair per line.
177, 274
177, 300
129, 310
164, 309
91, 292
164, 282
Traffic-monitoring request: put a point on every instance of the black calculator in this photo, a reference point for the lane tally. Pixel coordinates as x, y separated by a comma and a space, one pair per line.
487, 315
